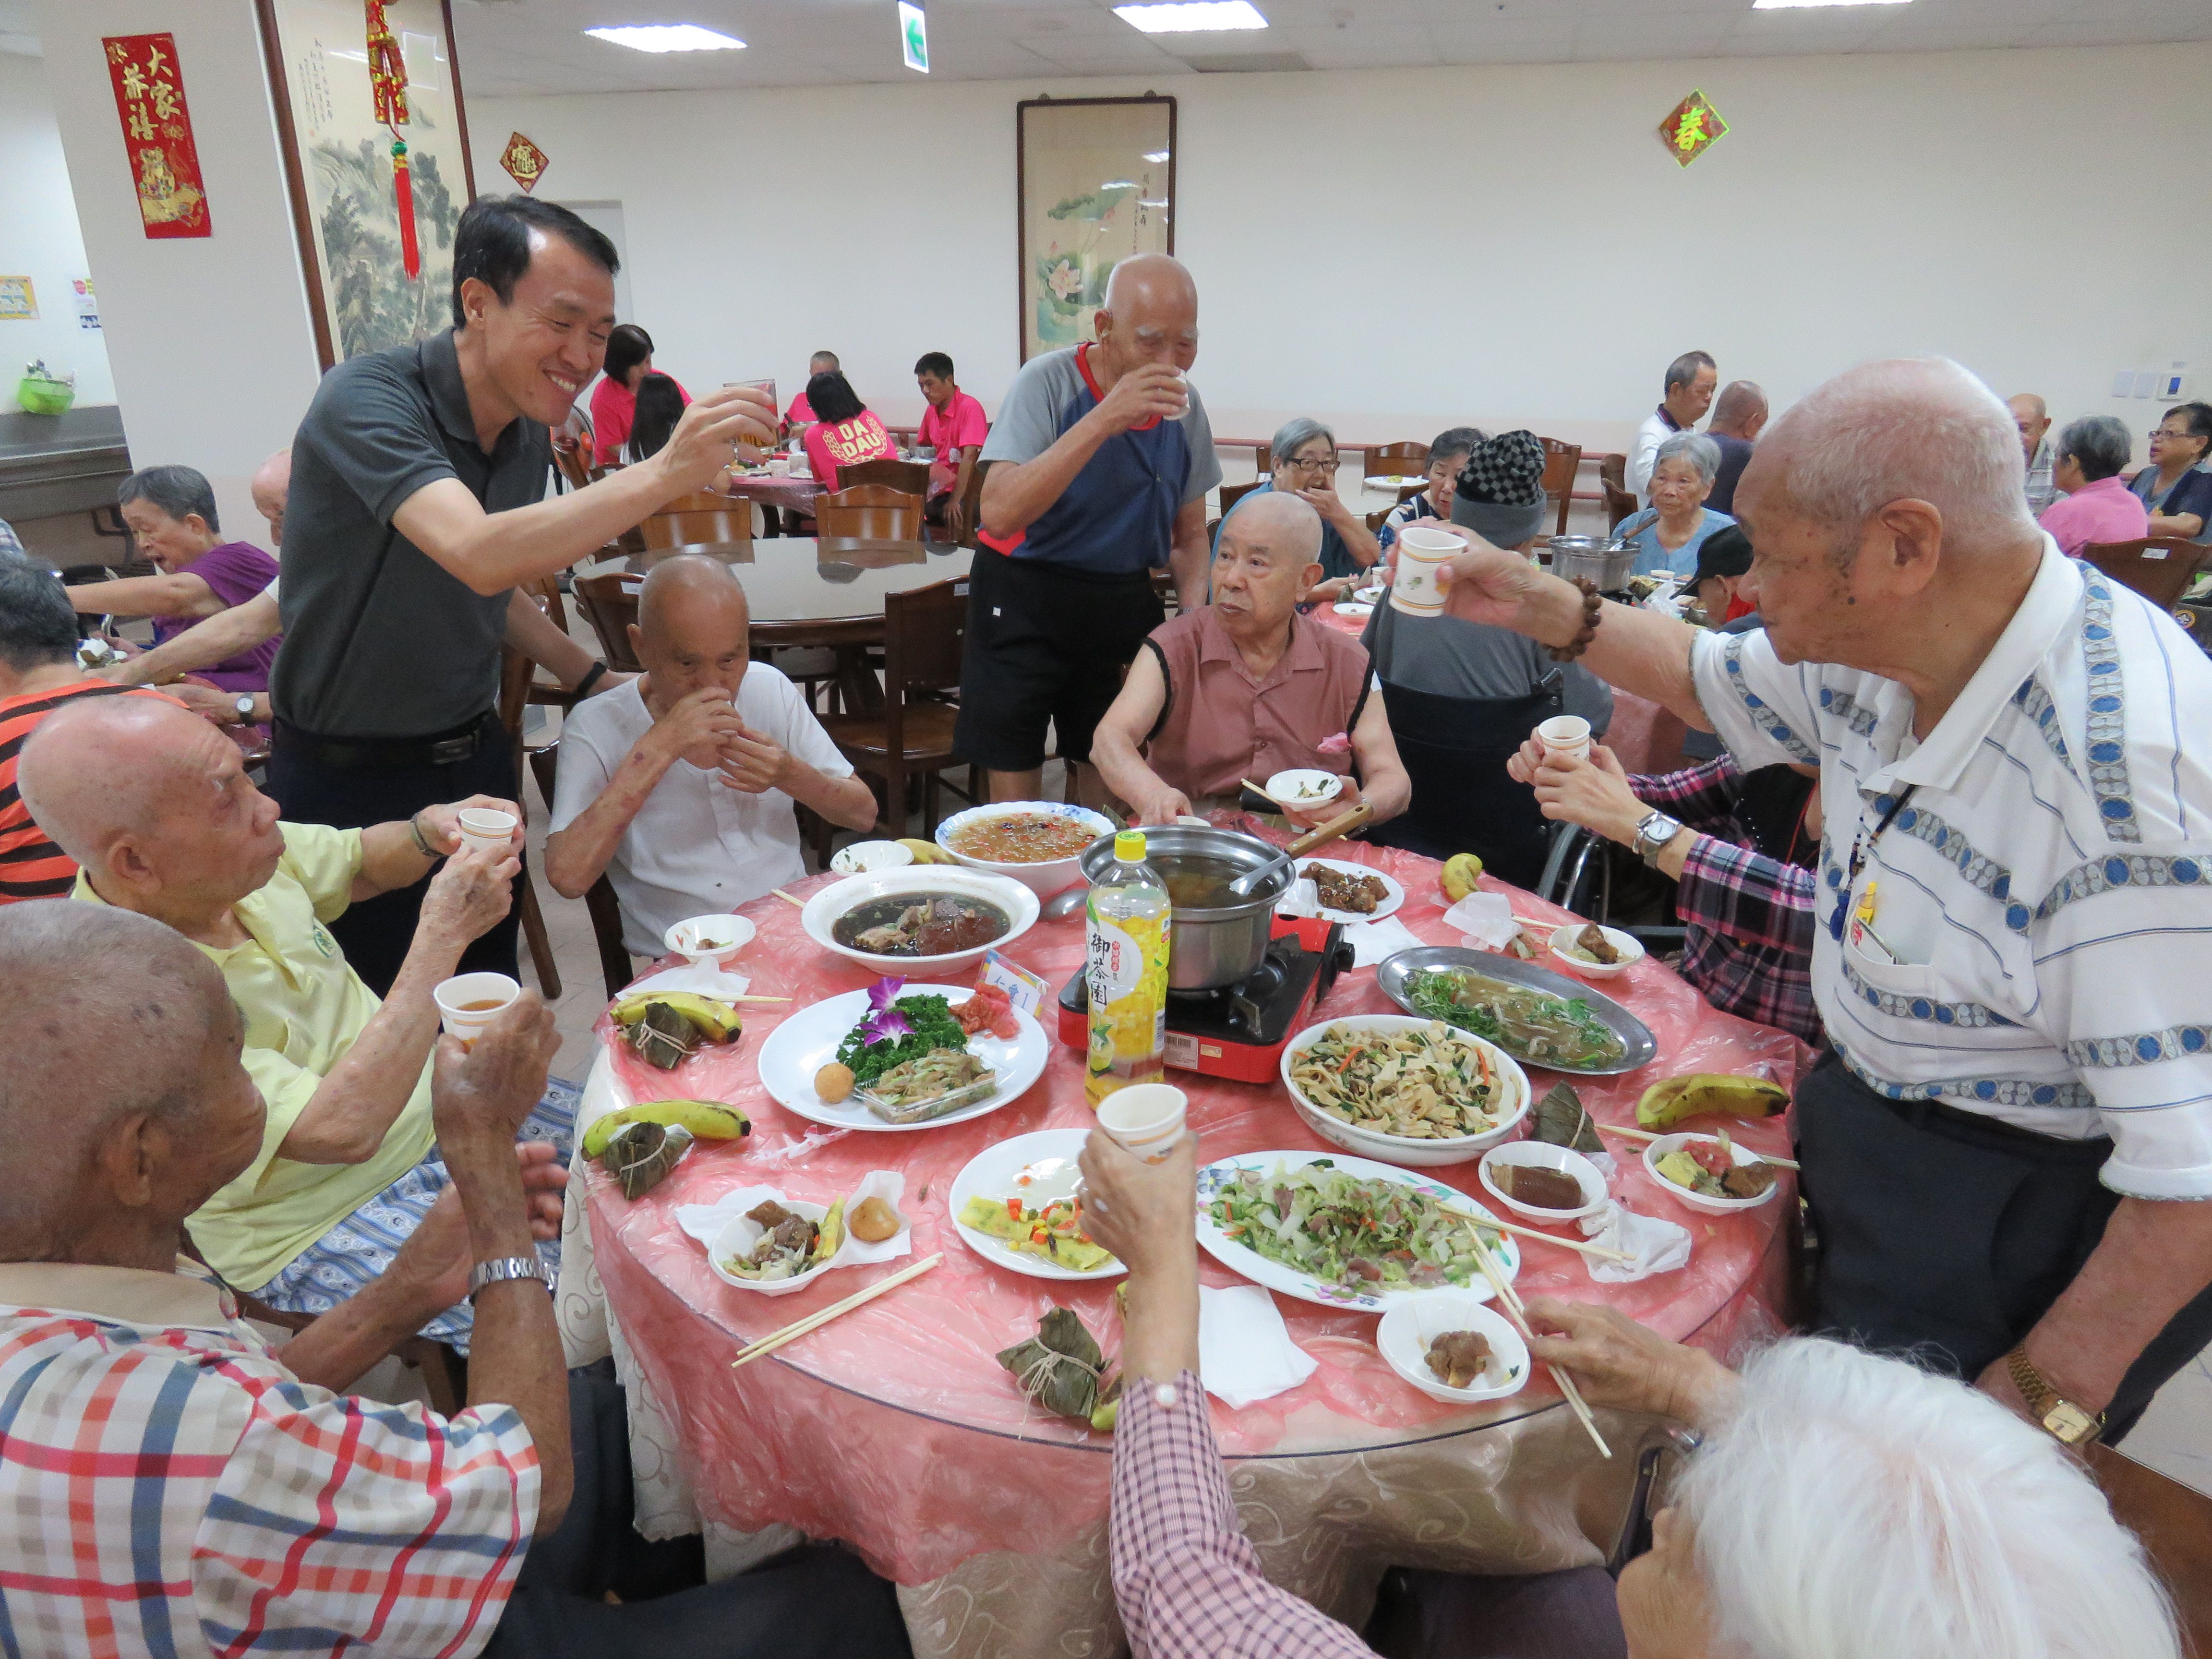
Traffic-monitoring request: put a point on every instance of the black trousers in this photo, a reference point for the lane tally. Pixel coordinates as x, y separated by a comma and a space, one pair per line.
1946, 1238
816, 1602
376, 932
1570, 1614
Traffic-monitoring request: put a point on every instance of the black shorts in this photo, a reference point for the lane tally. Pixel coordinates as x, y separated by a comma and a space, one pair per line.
1047, 646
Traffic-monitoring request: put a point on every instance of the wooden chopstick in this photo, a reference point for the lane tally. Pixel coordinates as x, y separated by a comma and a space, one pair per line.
1258, 790
1530, 1233
1648, 1135
798, 1328
788, 899
1519, 1315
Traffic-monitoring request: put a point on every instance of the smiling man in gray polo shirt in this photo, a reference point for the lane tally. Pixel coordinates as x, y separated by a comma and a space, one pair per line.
416, 505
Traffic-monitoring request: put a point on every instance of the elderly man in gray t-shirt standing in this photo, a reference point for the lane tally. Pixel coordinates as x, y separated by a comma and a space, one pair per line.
416, 506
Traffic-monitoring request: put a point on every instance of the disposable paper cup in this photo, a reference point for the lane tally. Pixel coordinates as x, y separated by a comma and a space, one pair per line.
1566, 736
469, 1002
1422, 552
482, 826
1146, 1118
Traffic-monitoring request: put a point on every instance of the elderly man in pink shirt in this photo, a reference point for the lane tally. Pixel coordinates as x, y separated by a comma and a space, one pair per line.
2096, 504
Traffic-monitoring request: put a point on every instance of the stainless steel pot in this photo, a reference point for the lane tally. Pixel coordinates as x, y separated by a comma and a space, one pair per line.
1214, 946
1604, 561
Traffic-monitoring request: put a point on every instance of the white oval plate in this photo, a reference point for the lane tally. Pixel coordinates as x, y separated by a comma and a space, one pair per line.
1304, 1286
1049, 1157
1393, 894
1355, 609
808, 1041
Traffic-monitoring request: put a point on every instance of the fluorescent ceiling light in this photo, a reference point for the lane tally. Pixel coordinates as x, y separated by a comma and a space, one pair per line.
1192, 16
1797, 5
666, 37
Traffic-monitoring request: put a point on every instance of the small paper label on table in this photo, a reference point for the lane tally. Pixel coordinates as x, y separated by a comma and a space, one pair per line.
1023, 988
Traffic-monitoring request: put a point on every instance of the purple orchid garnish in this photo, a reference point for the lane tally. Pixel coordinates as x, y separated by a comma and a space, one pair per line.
884, 1022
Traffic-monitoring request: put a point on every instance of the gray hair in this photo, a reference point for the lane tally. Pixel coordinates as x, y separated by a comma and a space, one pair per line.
1294, 433
1684, 369
1855, 1507
179, 491
1455, 441
1695, 448
38, 627
2099, 444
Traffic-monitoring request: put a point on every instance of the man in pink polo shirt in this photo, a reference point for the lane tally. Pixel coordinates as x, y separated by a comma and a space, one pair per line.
2096, 504
955, 425
801, 415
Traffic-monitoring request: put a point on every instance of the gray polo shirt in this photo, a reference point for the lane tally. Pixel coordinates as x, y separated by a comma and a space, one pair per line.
1452, 657
380, 640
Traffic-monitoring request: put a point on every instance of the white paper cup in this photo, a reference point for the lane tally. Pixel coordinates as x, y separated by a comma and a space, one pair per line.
1566, 737
469, 1002
1145, 1118
1422, 551
486, 827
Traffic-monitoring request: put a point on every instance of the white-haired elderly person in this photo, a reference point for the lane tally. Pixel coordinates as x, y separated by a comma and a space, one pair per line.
1669, 533
2094, 503
1306, 463
1838, 1505
2003, 1149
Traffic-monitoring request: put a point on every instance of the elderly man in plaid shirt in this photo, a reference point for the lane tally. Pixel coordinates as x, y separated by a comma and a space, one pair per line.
175, 1487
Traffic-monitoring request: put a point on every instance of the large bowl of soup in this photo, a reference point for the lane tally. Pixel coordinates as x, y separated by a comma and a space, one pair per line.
1038, 843
920, 919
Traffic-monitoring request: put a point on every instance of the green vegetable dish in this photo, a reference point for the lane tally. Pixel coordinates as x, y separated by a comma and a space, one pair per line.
1353, 1235
1528, 1024
896, 1031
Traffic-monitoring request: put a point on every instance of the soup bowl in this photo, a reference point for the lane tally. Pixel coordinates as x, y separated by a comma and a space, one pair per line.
1043, 876
919, 884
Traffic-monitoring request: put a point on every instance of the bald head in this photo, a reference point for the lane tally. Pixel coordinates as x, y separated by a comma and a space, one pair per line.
1740, 410
1282, 520
690, 586
1150, 316
271, 484
95, 768
1144, 281
693, 629
2031, 420
1269, 555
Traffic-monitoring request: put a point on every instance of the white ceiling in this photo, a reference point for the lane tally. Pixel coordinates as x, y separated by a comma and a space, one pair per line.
510, 46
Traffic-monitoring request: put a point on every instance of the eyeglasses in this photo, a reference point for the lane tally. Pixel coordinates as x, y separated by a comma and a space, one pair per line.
1325, 463
2166, 432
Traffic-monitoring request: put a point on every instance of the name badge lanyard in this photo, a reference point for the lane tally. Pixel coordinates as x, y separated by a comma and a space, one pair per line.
1863, 844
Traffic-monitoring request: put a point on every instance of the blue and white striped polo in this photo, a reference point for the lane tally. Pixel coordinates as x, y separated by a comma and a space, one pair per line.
2046, 891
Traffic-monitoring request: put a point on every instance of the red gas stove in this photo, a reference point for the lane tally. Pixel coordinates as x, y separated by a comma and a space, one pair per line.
1239, 1031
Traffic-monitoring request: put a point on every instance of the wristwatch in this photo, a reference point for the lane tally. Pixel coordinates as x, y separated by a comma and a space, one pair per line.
2067, 1422
507, 1268
243, 708
1653, 833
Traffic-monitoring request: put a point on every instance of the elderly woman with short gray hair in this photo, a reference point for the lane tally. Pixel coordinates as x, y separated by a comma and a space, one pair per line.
2094, 503
1669, 533
1306, 466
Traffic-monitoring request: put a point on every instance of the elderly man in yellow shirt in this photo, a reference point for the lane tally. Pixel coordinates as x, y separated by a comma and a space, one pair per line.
158, 810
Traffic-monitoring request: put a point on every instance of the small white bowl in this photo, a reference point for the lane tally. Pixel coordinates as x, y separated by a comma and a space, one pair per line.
1682, 1195
863, 856
1044, 877
1542, 1155
1632, 952
921, 882
1405, 1331
1304, 787
1404, 1151
712, 939
739, 1236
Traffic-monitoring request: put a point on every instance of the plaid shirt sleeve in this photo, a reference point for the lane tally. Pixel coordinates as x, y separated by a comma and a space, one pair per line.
1747, 895
1187, 1582
1702, 797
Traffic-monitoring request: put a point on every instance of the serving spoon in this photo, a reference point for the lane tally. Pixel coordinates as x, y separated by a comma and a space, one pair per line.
1342, 824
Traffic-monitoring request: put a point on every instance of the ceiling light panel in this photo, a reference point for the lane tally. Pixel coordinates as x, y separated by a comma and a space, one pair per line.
1192, 16
1800, 5
666, 37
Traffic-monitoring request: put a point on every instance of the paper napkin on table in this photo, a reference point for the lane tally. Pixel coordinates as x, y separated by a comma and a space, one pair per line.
1301, 898
1245, 1350
699, 976
1373, 941
1485, 918
1659, 1247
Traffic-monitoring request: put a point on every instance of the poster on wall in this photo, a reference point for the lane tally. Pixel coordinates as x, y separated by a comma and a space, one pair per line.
1095, 182
339, 156
19, 300
157, 134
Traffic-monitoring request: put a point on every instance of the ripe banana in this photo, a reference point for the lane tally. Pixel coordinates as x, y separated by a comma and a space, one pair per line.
709, 1120
926, 852
1677, 1099
717, 1021
1459, 875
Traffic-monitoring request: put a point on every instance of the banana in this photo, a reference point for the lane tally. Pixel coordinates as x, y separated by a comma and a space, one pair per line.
717, 1021
709, 1120
1459, 875
1677, 1099
926, 852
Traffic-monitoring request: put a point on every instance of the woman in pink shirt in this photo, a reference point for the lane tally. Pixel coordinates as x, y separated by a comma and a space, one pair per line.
844, 430
2097, 505
614, 400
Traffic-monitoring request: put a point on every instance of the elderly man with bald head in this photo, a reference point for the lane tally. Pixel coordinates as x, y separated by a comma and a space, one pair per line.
1246, 687
679, 785
2031, 419
155, 803
1100, 464
2015, 884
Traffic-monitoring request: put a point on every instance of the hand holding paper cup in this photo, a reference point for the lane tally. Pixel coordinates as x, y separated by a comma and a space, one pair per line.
1565, 737
1145, 1118
469, 1002
484, 827
1422, 551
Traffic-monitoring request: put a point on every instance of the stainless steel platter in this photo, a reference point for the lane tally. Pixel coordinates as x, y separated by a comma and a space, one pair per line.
1643, 1047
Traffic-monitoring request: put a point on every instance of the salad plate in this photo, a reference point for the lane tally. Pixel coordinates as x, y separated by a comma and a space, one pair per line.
807, 1042
1227, 1200
1040, 1170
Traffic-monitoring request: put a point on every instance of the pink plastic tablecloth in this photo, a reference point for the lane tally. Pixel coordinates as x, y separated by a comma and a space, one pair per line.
894, 1429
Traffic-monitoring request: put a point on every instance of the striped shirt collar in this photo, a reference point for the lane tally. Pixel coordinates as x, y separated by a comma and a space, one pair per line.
186, 1299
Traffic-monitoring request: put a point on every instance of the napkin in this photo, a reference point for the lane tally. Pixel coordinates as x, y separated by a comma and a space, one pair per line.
1245, 1350
1301, 898
1659, 1247
1485, 918
1373, 941
701, 976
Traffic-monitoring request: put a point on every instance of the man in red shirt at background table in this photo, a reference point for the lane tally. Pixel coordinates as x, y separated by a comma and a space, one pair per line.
955, 425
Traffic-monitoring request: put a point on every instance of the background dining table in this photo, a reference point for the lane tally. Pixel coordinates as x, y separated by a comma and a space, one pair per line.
778, 493
894, 1429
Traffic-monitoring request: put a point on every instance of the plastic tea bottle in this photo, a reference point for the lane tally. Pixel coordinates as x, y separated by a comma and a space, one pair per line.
1125, 971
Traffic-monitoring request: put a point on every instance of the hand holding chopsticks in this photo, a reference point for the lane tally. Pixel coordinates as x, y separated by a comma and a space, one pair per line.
1519, 1315
815, 1321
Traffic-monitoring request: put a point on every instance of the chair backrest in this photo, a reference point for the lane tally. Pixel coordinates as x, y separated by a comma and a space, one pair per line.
2160, 567
925, 640
1562, 462
701, 517
610, 605
1613, 470
875, 511
575, 463
1399, 460
1232, 493
1455, 751
971, 504
910, 477
1618, 504
1263, 460
1378, 518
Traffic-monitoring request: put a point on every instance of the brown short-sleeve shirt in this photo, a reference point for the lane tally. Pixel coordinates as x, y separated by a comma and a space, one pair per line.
1221, 724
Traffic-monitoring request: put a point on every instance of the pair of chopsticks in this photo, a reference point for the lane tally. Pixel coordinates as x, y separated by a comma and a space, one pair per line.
1647, 1134
1519, 1315
1530, 1233
788, 898
798, 1328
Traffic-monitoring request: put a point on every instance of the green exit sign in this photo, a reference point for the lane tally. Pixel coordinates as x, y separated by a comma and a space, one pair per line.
914, 35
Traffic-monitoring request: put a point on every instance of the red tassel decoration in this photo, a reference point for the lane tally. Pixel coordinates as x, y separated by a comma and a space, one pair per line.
402, 184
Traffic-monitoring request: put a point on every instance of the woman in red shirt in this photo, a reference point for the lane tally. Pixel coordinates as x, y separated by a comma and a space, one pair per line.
614, 400
845, 430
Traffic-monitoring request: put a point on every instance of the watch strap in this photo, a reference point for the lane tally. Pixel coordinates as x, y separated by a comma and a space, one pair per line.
503, 1268
2064, 1419
1654, 834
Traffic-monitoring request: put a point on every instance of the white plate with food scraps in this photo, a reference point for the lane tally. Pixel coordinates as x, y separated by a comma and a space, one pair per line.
1238, 1258
1304, 787
1036, 1169
1358, 610
1393, 894
803, 1044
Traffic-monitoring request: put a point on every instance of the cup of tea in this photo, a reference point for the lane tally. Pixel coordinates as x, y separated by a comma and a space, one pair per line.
1566, 737
1145, 1118
469, 1002
488, 828
1422, 551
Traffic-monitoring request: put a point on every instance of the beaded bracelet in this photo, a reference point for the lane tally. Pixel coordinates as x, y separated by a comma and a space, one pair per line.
1592, 605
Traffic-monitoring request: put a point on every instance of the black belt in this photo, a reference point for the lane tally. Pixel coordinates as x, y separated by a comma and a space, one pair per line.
1925, 1113
447, 748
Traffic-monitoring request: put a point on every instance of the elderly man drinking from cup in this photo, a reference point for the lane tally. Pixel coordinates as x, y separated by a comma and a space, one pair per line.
1246, 687
155, 803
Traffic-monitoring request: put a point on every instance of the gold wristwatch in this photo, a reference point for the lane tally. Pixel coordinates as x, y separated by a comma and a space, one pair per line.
2066, 1421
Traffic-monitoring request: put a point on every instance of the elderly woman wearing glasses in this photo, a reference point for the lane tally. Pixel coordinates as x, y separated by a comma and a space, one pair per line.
1669, 533
1306, 466
2175, 490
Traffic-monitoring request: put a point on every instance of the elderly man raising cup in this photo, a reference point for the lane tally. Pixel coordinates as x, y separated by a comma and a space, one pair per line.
1246, 687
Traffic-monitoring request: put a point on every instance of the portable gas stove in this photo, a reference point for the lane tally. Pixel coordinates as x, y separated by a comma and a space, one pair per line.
1239, 1031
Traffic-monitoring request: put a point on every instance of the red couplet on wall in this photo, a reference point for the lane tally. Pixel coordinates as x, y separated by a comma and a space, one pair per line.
157, 133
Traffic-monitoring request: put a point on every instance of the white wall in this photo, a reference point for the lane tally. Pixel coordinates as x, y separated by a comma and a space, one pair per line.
39, 238
1397, 250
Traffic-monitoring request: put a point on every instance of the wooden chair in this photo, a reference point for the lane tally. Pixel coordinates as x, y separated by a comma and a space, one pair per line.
1398, 460
1232, 493
2160, 567
515, 674
910, 477
925, 632
704, 517
599, 901
874, 511
609, 603
1618, 504
1613, 469
1378, 518
1263, 460
1561, 463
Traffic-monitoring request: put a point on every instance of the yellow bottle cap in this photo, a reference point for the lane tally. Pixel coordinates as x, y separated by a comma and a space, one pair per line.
1129, 845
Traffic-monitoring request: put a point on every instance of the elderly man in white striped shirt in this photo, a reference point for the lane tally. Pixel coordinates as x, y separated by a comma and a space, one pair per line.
2017, 888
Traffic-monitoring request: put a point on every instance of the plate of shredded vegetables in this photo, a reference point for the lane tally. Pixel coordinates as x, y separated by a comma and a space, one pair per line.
1539, 1017
1400, 1087
1341, 1232
908, 1047
1017, 1205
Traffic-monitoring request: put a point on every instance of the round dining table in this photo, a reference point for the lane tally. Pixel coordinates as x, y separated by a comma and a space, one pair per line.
822, 590
894, 1429
778, 492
